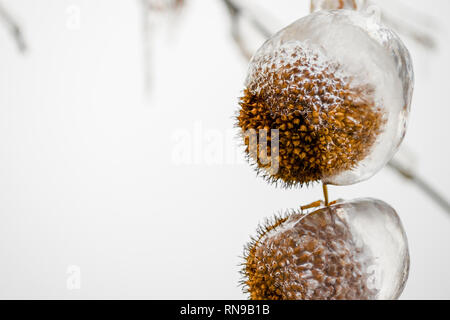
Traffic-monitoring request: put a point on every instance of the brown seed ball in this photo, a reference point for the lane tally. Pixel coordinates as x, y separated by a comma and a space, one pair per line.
311, 257
327, 121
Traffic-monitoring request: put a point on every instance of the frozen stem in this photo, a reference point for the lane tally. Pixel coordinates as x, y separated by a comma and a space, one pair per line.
314, 204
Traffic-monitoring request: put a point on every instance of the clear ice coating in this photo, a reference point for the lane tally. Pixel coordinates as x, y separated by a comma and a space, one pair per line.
354, 250
364, 56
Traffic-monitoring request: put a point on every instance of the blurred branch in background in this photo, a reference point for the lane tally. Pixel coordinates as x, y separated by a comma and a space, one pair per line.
147, 44
335, 5
154, 12
420, 36
14, 28
238, 13
416, 34
415, 25
421, 183
395, 14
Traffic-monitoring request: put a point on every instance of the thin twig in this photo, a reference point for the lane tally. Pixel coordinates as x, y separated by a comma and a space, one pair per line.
14, 29
151, 10
421, 183
236, 11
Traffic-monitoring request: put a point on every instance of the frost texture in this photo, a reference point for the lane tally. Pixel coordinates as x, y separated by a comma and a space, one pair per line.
351, 250
344, 49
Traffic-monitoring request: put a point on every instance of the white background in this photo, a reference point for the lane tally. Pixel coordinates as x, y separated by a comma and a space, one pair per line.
89, 174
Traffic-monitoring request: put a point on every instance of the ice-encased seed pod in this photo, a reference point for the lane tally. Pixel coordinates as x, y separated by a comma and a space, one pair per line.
350, 250
337, 85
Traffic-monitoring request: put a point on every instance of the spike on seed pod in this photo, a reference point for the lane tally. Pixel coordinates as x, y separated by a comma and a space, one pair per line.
339, 111
348, 250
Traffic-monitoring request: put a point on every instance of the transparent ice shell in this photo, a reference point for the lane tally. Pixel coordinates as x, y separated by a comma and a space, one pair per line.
363, 237
368, 53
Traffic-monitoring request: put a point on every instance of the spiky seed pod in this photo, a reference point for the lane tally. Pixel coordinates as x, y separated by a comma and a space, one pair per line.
350, 250
327, 122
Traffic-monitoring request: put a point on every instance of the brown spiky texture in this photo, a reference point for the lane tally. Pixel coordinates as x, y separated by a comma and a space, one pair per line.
307, 257
327, 121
